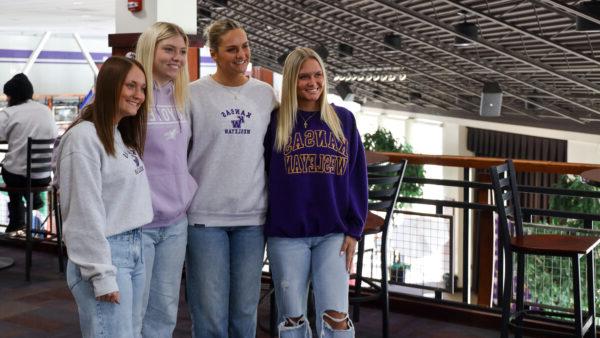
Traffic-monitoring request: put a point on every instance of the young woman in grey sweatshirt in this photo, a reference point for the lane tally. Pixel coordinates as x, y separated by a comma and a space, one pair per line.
105, 199
230, 113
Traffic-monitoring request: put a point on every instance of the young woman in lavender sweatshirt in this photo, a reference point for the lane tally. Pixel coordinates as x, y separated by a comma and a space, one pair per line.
162, 49
317, 183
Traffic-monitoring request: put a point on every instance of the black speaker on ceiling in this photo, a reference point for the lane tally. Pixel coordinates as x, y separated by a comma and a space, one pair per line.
590, 8
344, 91
345, 50
491, 99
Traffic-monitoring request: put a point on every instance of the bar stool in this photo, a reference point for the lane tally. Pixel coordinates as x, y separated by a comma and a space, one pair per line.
384, 181
506, 197
39, 160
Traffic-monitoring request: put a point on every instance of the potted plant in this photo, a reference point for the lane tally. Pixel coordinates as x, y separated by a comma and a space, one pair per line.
398, 270
383, 140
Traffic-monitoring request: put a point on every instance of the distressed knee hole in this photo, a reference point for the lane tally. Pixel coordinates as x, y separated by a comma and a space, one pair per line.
337, 320
294, 321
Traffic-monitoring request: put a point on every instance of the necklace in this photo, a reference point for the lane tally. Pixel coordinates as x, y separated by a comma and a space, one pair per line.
306, 120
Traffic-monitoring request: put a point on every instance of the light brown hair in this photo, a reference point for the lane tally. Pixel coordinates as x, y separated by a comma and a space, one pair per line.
103, 111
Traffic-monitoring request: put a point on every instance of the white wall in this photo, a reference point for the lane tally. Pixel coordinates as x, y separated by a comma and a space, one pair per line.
51, 75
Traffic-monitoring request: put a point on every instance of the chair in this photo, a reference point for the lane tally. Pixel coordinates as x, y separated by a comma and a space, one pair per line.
506, 197
384, 184
39, 160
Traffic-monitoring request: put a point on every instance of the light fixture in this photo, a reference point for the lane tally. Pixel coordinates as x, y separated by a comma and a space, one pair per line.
367, 76
345, 50
491, 99
393, 40
590, 8
468, 29
344, 91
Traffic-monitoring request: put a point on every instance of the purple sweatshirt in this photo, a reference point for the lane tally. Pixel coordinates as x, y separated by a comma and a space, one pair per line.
317, 185
165, 157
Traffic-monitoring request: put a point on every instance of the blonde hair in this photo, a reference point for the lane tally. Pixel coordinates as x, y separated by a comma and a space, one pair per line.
217, 29
287, 113
144, 53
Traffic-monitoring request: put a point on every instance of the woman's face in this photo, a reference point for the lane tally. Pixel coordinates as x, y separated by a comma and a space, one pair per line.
309, 86
132, 93
169, 57
233, 54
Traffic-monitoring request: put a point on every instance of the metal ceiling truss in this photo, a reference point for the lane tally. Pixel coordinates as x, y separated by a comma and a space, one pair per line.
530, 47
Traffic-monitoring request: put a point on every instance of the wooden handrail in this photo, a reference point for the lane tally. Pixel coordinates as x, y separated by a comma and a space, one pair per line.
486, 162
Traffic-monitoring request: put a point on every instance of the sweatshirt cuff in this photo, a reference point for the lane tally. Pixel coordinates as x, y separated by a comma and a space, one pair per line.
105, 285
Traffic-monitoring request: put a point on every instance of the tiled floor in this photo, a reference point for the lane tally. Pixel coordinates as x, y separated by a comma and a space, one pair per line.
44, 308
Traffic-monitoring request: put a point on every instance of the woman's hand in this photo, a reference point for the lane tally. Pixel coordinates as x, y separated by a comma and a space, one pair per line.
112, 297
348, 248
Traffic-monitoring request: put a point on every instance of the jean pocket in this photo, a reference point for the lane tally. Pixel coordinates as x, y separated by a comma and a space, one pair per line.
121, 254
73, 275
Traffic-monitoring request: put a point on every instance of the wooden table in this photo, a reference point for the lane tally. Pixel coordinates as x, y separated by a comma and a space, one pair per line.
591, 177
374, 158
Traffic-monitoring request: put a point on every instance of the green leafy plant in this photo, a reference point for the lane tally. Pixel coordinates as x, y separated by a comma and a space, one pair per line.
549, 277
383, 140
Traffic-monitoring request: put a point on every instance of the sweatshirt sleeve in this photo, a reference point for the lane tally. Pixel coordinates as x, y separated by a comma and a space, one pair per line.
3, 125
358, 188
84, 219
269, 141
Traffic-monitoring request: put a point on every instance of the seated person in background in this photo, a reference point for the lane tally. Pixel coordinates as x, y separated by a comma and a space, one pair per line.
23, 118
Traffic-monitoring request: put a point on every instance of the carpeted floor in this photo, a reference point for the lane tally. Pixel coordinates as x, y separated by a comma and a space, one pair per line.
45, 308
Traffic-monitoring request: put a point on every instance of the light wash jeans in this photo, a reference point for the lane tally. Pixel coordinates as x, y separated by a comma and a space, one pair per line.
164, 253
102, 319
223, 270
293, 261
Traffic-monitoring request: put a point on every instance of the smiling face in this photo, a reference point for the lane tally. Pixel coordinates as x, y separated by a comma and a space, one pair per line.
170, 56
233, 54
133, 93
309, 86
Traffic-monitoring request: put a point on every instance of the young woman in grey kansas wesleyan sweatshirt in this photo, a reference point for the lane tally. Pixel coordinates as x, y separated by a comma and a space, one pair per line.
105, 199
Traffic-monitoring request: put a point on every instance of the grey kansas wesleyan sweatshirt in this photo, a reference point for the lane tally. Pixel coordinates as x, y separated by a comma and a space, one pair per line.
100, 196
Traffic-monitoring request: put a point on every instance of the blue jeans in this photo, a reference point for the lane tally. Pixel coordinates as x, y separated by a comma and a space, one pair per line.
103, 319
223, 270
293, 261
164, 252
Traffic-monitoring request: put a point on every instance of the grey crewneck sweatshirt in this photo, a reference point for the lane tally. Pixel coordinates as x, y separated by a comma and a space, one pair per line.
100, 196
226, 157
17, 124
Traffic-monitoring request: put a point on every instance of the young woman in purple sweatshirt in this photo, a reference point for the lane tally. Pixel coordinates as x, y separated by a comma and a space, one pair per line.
317, 199
162, 49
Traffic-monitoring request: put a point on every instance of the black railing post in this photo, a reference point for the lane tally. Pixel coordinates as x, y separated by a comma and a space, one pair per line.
466, 296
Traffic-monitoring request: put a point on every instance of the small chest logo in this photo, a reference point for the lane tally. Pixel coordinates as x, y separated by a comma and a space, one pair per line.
238, 118
136, 160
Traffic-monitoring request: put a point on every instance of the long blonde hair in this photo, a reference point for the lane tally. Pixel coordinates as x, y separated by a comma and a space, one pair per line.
287, 114
144, 53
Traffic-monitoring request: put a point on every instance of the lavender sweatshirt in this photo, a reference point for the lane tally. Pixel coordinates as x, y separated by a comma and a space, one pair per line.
165, 156
317, 185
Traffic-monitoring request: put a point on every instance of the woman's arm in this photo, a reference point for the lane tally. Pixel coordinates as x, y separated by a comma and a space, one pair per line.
84, 218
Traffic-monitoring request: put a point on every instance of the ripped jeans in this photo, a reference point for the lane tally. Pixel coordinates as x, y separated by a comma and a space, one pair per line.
293, 261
